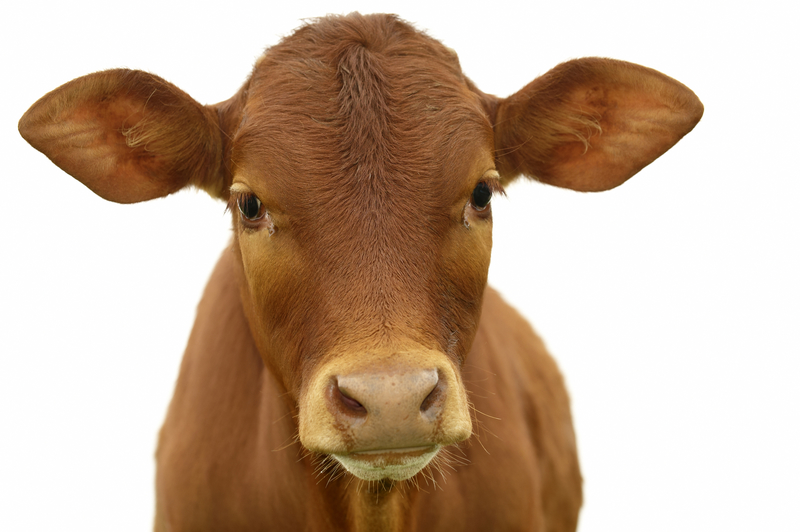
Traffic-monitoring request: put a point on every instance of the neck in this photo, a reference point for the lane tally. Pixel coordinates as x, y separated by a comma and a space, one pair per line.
363, 506
379, 506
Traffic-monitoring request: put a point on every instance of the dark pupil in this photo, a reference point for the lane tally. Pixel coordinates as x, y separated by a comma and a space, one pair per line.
249, 206
481, 196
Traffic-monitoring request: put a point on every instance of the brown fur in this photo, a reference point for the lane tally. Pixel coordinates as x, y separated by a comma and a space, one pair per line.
363, 141
228, 456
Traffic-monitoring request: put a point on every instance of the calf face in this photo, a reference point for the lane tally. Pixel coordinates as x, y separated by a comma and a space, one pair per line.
358, 163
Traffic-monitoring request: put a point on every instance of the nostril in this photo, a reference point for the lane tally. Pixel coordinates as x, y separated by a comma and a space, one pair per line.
350, 402
388, 396
433, 402
346, 403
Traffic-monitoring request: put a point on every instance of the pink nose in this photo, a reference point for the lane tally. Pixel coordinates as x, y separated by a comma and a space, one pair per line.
395, 409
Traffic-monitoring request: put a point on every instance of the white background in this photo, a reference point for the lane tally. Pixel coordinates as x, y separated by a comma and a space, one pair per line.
672, 303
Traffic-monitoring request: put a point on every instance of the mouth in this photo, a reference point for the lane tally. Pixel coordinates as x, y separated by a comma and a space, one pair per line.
394, 464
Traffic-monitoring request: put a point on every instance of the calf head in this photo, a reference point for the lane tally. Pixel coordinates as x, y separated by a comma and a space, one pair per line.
359, 163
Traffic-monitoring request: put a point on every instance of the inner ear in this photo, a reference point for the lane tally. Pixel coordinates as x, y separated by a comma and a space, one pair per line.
591, 124
127, 135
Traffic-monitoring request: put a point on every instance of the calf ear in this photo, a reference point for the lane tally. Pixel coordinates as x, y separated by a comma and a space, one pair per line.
128, 135
590, 124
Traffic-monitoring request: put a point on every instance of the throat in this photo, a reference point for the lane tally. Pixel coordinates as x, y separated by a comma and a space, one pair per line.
379, 506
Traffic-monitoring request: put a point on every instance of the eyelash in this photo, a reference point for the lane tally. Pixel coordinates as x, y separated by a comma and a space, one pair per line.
495, 186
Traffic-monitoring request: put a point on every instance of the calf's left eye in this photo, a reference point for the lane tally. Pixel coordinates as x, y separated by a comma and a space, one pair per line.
481, 196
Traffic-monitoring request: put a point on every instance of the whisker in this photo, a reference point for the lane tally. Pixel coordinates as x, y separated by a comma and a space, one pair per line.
485, 414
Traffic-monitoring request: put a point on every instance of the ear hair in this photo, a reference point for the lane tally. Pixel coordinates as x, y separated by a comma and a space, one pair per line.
127, 135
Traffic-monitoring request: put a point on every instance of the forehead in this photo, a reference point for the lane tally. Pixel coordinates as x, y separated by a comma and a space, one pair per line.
362, 100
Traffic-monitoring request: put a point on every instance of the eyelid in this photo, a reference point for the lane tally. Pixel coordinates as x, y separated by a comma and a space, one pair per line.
492, 180
240, 188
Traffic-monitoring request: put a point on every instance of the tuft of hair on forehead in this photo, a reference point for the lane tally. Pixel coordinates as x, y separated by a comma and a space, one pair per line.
379, 33
372, 90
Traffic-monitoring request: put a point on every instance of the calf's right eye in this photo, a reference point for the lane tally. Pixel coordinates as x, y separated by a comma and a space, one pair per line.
250, 207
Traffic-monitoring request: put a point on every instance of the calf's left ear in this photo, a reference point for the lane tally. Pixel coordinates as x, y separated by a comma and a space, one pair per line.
128, 135
590, 124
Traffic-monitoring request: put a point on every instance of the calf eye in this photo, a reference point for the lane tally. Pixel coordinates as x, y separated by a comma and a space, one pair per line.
481, 196
249, 206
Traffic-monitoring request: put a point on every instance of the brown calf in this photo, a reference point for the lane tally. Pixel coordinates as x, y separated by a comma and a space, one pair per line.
347, 349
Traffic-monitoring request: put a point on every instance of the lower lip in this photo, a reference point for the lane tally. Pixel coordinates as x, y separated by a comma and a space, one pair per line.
396, 464
392, 454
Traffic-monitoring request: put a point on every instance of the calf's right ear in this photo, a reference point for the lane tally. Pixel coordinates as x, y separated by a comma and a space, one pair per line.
590, 124
129, 136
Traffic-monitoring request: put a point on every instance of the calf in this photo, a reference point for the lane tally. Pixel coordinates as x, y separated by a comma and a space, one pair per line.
347, 355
